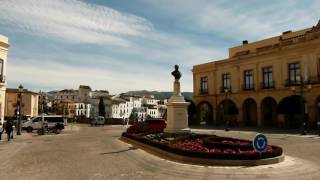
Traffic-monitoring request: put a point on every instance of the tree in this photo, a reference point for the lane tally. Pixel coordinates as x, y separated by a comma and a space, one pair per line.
133, 116
102, 110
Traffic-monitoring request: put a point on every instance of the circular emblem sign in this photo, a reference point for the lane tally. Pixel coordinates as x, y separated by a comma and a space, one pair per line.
260, 143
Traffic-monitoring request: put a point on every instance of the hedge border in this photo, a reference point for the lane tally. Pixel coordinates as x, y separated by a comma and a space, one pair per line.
199, 161
204, 155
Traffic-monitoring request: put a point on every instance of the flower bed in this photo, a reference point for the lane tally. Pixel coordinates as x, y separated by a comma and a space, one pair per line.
227, 143
204, 146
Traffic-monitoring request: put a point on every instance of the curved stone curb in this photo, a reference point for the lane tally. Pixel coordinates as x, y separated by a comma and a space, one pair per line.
200, 161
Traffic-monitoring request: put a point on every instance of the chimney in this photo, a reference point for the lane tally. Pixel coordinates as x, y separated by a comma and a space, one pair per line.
286, 32
245, 42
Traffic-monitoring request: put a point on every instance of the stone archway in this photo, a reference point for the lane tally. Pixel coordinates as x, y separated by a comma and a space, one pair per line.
269, 112
292, 108
249, 109
192, 113
227, 111
204, 113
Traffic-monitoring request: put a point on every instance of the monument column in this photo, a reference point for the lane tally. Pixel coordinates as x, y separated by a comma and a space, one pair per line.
177, 108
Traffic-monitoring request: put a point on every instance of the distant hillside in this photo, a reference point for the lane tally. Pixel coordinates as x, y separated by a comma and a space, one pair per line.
157, 94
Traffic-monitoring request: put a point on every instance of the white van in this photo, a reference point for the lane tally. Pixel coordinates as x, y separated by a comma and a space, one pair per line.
36, 122
98, 121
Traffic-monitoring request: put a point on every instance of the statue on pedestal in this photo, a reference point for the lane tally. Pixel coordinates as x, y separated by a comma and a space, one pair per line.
177, 107
176, 73
176, 86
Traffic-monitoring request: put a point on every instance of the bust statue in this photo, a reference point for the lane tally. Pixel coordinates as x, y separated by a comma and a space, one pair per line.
176, 73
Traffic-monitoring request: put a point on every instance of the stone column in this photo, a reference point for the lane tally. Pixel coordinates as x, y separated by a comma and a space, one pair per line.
259, 120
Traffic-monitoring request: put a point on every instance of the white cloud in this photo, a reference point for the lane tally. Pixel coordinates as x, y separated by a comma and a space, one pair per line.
147, 54
73, 20
53, 74
240, 19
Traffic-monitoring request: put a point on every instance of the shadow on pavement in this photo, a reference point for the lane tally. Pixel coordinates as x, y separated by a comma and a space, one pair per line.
116, 152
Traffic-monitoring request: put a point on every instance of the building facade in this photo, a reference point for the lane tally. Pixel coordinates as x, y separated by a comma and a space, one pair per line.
4, 45
29, 102
73, 109
273, 82
96, 96
140, 107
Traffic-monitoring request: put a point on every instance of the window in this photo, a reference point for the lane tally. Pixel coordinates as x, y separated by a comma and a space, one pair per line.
267, 78
248, 80
226, 81
294, 73
37, 119
204, 85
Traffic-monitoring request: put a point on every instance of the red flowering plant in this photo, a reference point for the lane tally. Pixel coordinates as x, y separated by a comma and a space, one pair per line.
198, 145
227, 143
147, 126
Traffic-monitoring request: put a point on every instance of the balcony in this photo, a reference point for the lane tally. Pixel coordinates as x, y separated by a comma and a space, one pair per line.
290, 82
267, 85
314, 79
248, 87
203, 91
225, 89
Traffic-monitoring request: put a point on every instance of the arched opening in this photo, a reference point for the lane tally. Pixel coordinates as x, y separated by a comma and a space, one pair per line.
204, 113
292, 107
317, 112
249, 109
269, 112
192, 113
227, 112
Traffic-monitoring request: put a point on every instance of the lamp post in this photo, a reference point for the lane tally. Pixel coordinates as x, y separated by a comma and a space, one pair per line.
226, 91
318, 123
20, 107
304, 86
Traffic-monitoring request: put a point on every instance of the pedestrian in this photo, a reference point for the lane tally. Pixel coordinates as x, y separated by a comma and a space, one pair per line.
12, 131
1, 130
9, 129
318, 124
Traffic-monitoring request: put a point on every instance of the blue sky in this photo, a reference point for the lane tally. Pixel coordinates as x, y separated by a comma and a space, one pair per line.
123, 45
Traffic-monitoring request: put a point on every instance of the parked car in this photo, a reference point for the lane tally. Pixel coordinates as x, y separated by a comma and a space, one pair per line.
26, 118
148, 125
98, 121
36, 122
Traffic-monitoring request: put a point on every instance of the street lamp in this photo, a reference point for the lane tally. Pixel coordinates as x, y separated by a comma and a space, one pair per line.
20, 107
304, 86
318, 123
226, 91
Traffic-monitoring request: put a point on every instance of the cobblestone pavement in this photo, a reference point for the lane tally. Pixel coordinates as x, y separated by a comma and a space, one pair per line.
94, 153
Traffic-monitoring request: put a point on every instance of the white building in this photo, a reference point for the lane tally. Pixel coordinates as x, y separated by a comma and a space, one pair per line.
4, 45
79, 109
82, 109
141, 107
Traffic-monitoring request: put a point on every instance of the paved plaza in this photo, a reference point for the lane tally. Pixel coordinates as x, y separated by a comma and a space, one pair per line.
94, 153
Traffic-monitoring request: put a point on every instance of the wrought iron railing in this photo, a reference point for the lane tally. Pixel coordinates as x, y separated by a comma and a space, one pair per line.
203, 91
248, 87
225, 89
267, 85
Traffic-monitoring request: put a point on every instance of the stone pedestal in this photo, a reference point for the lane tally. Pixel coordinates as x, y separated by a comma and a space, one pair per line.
177, 112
